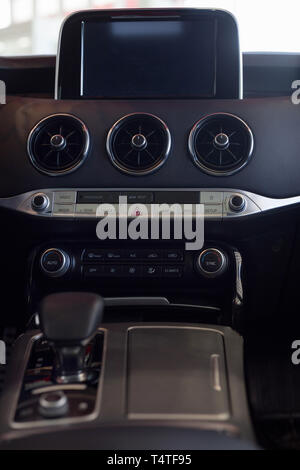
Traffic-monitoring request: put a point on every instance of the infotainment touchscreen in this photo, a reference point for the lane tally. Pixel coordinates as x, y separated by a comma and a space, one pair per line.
141, 59
149, 54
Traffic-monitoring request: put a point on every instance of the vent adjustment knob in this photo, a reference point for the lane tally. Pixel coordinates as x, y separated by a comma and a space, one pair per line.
221, 141
58, 142
139, 141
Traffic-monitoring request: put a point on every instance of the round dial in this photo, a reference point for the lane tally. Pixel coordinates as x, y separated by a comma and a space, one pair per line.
211, 262
55, 262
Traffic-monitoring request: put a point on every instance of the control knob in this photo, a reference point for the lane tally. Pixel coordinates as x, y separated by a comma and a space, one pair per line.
55, 262
53, 404
40, 202
237, 203
212, 262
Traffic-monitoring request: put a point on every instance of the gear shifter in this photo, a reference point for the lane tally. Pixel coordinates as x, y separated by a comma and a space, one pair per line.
69, 321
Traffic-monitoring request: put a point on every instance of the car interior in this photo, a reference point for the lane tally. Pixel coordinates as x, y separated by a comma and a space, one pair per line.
123, 336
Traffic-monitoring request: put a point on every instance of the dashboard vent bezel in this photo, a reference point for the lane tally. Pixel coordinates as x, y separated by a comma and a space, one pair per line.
78, 161
213, 169
118, 126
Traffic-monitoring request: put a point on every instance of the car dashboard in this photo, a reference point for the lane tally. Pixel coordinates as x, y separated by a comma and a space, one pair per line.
169, 311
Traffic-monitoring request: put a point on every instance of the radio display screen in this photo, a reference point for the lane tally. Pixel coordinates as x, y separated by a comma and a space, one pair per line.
148, 58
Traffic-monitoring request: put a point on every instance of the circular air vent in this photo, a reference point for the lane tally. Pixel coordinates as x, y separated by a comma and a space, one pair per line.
58, 144
139, 144
221, 144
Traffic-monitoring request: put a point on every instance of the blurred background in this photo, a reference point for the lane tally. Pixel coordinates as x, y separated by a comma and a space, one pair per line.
32, 26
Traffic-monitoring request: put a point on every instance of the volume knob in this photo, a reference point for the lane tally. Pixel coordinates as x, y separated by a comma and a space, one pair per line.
237, 203
40, 202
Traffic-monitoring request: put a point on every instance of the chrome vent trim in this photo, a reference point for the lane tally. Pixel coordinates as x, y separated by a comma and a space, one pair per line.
75, 161
158, 160
221, 169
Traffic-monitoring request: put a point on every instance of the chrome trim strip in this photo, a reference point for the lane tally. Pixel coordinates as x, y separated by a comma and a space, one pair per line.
54, 388
149, 301
215, 366
178, 327
255, 202
196, 306
174, 416
135, 301
82, 57
239, 293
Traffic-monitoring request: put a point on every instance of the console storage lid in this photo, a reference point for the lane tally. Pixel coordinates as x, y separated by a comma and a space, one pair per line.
177, 373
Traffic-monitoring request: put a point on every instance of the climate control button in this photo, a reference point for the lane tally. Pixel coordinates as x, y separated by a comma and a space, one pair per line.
212, 262
55, 262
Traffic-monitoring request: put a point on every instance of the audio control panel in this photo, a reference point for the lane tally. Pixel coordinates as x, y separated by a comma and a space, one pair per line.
217, 204
78, 204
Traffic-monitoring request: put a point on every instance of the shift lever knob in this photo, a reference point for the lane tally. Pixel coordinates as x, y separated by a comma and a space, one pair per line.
69, 321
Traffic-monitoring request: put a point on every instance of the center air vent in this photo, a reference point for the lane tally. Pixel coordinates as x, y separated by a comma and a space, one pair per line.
221, 144
139, 144
58, 144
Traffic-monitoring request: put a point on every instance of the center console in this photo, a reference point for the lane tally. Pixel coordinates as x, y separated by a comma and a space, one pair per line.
80, 372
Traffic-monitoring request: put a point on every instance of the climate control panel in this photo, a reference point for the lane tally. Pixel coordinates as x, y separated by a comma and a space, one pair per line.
92, 263
125, 269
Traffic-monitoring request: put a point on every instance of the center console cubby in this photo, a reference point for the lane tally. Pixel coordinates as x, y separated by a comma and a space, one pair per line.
177, 373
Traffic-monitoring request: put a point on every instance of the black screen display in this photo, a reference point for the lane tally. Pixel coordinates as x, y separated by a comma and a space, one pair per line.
148, 59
